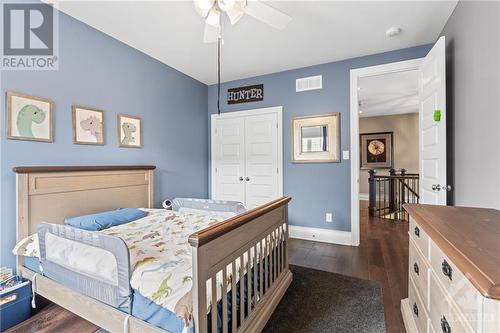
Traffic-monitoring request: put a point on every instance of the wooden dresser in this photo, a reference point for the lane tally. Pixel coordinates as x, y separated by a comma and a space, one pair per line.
454, 264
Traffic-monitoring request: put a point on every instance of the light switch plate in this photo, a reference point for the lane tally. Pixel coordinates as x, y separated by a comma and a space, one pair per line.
329, 217
345, 154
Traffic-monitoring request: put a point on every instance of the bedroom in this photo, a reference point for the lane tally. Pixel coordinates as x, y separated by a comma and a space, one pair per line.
157, 73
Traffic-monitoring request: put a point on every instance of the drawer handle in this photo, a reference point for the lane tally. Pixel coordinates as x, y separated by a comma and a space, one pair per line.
415, 309
445, 327
415, 268
417, 232
446, 268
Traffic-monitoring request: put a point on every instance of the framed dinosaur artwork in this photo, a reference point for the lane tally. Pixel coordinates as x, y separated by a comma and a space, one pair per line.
129, 131
29, 117
88, 126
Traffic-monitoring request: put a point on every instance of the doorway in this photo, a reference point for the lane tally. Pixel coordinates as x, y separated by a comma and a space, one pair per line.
432, 186
369, 103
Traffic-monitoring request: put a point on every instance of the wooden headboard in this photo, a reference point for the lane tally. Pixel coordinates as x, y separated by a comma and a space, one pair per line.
53, 193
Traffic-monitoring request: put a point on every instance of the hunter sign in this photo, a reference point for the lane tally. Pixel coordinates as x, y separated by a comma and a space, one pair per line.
245, 94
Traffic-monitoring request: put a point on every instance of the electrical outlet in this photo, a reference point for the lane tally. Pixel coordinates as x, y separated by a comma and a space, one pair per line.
329, 217
345, 155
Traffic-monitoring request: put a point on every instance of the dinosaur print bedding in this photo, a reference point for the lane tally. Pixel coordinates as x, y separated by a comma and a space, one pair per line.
160, 256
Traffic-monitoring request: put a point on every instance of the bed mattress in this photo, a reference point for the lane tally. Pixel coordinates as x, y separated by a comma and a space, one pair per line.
161, 266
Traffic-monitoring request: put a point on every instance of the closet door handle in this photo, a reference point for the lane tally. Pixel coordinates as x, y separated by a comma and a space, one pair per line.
415, 309
241, 179
417, 232
247, 179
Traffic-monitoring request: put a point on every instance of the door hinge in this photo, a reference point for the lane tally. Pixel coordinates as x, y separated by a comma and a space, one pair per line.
277, 170
276, 125
215, 170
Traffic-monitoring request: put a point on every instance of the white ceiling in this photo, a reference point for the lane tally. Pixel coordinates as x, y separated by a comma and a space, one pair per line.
388, 94
320, 32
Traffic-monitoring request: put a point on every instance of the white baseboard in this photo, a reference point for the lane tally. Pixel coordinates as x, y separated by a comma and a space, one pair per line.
364, 196
321, 235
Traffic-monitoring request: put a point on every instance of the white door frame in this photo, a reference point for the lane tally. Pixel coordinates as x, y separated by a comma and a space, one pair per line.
278, 110
356, 74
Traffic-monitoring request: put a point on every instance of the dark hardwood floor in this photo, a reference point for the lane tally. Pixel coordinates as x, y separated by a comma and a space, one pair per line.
382, 256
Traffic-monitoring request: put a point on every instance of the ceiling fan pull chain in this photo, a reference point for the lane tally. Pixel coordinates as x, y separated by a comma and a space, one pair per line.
219, 43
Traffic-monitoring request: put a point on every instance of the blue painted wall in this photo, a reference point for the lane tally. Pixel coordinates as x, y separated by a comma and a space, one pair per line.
315, 188
98, 71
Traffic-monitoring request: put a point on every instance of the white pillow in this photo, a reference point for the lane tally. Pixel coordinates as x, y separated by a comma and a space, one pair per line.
28, 247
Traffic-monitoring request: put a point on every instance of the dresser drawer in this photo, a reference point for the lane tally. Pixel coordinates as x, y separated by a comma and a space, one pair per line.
417, 308
491, 316
457, 286
420, 236
443, 314
419, 272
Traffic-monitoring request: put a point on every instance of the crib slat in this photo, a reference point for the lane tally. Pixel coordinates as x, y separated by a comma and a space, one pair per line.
271, 249
242, 291
234, 311
249, 283
285, 246
255, 283
261, 270
224, 300
279, 251
213, 308
266, 266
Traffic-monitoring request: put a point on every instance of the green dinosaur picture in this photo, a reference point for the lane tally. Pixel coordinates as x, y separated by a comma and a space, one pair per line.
129, 131
29, 117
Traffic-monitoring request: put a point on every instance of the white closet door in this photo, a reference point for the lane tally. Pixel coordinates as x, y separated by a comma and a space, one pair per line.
432, 97
261, 155
230, 159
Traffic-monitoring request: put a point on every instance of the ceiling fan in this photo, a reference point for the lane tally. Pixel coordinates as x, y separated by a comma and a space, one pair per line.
212, 10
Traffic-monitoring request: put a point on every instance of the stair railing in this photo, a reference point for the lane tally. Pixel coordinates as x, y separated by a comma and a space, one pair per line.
388, 193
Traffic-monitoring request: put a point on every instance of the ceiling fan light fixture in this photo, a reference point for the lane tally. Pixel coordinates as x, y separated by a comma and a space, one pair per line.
202, 7
226, 5
213, 17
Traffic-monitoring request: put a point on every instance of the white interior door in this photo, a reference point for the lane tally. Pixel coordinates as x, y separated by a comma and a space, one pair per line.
229, 159
432, 96
261, 156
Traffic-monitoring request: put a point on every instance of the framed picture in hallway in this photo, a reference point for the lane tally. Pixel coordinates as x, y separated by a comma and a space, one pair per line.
88, 126
129, 131
377, 150
29, 117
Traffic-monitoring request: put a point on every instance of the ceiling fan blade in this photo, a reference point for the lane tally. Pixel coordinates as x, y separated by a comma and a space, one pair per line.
211, 34
267, 14
203, 6
235, 13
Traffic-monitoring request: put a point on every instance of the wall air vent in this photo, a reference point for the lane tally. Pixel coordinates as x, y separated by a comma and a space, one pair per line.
309, 83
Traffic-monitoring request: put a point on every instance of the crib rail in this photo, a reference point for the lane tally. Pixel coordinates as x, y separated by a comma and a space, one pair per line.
240, 269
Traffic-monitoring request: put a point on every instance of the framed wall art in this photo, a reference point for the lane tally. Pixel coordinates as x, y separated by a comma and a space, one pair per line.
129, 131
88, 126
29, 117
316, 139
377, 150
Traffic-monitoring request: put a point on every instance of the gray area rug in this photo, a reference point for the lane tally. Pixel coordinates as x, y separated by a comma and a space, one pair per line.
319, 301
